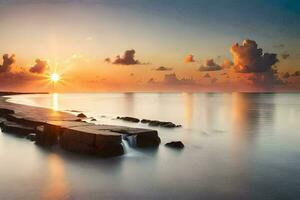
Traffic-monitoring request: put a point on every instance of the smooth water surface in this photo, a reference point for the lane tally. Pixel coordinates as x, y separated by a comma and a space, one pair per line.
237, 146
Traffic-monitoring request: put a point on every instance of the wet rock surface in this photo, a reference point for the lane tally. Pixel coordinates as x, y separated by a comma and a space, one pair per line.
175, 144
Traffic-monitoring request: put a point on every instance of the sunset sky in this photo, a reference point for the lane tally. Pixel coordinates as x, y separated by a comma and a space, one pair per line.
162, 45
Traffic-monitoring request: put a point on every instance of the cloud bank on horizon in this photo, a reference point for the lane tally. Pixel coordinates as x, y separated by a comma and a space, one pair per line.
250, 67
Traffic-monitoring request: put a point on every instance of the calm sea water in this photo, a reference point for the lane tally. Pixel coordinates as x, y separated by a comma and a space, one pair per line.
238, 146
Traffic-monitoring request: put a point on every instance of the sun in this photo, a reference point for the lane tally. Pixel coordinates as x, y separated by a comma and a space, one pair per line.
54, 77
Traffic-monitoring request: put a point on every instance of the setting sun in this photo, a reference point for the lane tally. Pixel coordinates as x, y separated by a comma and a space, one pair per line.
55, 77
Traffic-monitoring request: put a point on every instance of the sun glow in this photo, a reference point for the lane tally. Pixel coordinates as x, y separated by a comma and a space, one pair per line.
54, 77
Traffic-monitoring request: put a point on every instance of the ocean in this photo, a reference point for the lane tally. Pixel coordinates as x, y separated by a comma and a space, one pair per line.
237, 146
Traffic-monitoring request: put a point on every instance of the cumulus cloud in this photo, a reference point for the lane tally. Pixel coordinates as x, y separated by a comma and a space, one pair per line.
127, 58
39, 67
249, 58
189, 58
7, 63
285, 56
210, 65
227, 64
162, 68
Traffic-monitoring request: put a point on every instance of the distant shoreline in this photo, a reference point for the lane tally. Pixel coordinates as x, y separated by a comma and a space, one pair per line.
20, 93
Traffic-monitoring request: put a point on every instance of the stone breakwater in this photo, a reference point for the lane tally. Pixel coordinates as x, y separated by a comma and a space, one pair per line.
48, 127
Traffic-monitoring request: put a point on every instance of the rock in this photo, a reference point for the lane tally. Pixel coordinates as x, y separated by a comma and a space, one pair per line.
90, 140
154, 123
144, 121
175, 144
167, 125
31, 136
12, 127
93, 119
78, 120
81, 115
129, 119
4, 112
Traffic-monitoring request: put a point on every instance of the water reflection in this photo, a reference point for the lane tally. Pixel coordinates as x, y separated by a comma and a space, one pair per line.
55, 104
251, 113
188, 109
56, 186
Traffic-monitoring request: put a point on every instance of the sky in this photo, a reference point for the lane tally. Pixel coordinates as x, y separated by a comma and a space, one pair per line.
144, 45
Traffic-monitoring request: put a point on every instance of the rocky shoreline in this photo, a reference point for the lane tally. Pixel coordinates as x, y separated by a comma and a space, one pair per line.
48, 127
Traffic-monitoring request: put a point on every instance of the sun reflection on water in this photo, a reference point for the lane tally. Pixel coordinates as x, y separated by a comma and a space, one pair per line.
56, 184
55, 104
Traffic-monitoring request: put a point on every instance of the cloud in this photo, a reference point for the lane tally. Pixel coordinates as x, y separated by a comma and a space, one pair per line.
172, 79
247, 58
227, 64
39, 67
264, 79
7, 63
286, 75
127, 58
162, 68
285, 56
107, 60
210, 65
296, 73
189, 59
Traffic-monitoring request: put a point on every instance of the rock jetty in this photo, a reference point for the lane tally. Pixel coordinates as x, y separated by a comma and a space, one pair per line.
48, 127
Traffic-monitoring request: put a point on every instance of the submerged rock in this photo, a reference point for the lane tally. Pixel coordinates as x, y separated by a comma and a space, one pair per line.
129, 119
175, 144
81, 115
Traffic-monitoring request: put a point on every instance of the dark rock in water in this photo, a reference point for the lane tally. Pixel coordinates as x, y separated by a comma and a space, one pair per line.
154, 123
78, 120
4, 112
81, 115
167, 124
31, 136
160, 123
129, 119
144, 121
175, 144
93, 119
